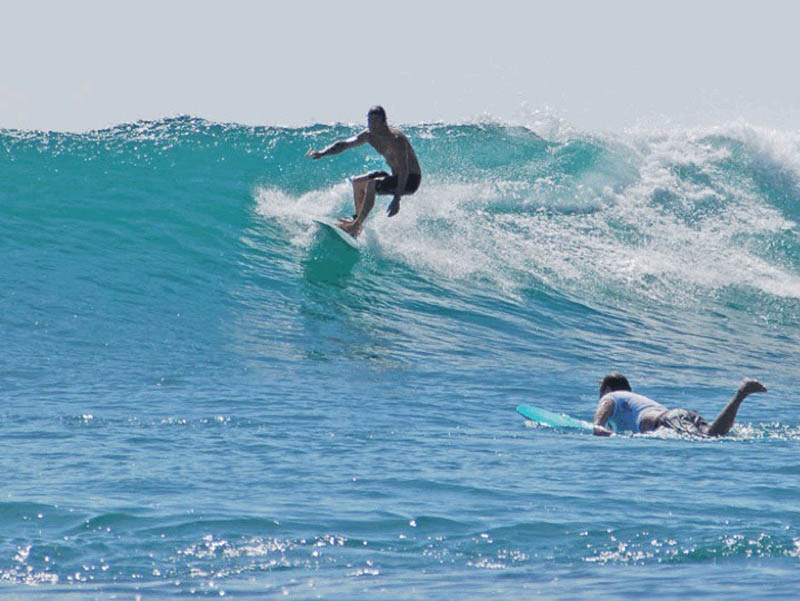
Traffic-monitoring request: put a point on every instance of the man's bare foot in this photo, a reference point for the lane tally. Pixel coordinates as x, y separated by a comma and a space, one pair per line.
346, 219
749, 386
352, 227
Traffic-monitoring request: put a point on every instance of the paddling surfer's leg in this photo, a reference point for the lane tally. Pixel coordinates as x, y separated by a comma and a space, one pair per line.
723, 423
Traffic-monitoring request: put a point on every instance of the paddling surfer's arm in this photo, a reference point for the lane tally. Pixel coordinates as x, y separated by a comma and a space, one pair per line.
340, 146
604, 412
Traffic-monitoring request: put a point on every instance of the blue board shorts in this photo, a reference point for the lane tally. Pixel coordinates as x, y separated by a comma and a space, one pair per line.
684, 421
387, 184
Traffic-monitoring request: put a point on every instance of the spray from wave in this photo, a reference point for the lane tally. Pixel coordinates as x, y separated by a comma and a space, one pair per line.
671, 217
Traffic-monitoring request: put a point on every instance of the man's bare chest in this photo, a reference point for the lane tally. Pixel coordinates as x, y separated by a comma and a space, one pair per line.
389, 148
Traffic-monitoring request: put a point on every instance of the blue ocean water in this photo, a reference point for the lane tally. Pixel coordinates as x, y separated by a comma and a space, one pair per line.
205, 395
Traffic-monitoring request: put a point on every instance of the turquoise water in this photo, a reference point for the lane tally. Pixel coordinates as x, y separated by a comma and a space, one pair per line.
205, 395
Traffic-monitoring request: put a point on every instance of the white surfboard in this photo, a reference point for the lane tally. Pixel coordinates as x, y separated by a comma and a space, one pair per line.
339, 232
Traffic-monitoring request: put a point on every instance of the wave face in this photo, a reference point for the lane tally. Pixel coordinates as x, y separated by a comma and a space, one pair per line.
203, 392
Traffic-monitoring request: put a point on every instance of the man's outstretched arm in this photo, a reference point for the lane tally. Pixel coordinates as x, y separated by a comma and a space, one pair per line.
340, 146
604, 412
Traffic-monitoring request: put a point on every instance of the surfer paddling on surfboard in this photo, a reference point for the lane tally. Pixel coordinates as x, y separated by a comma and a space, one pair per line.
625, 410
393, 146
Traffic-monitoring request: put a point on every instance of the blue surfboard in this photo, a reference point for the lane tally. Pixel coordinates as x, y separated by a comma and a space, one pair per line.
342, 235
544, 417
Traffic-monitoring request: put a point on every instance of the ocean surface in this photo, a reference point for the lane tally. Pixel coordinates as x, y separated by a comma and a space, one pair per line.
204, 395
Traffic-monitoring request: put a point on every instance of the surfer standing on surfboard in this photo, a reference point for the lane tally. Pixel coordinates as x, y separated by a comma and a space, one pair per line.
628, 411
393, 146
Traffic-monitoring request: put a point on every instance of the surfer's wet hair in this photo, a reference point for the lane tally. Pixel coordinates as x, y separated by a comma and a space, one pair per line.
613, 382
378, 111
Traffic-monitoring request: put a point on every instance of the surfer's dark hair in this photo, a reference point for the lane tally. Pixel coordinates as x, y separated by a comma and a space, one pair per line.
377, 110
613, 382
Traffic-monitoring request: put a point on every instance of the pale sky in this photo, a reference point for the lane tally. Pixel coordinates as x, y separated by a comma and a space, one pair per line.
602, 65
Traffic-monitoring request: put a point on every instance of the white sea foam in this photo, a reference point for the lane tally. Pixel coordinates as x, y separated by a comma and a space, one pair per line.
662, 236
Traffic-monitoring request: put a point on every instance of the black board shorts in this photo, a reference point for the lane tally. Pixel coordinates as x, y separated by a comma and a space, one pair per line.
387, 184
684, 421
